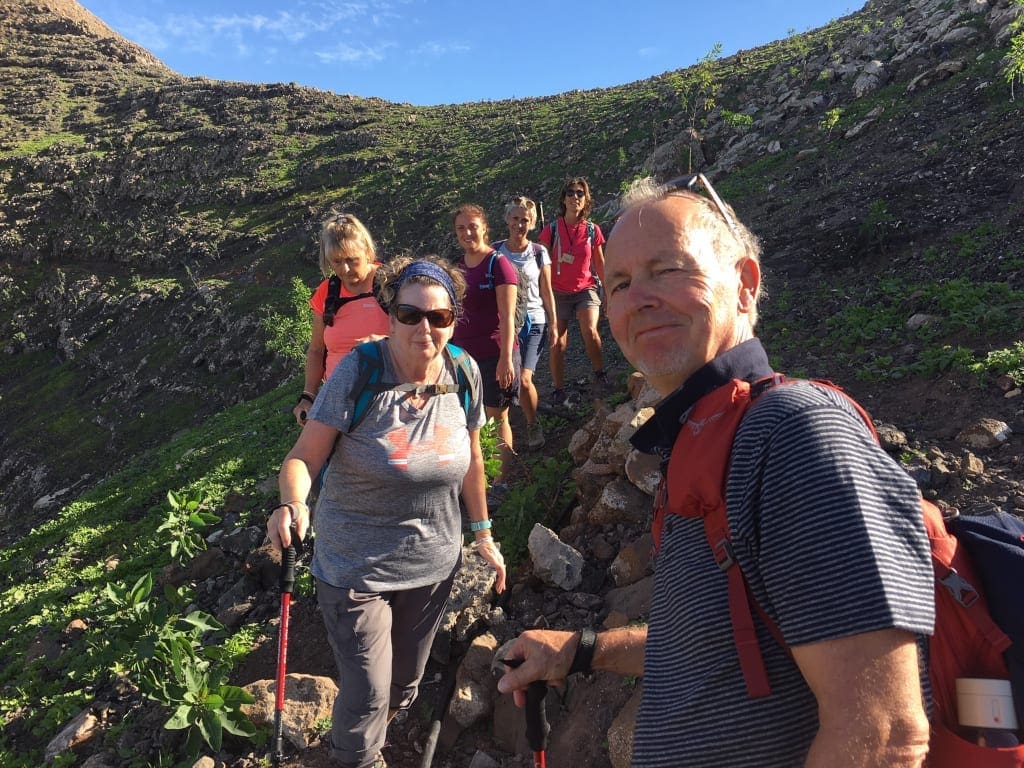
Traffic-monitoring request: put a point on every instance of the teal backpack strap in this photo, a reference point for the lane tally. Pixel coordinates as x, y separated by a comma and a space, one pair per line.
368, 384
591, 234
463, 375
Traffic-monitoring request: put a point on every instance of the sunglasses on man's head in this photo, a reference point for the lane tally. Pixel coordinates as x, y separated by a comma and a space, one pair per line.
688, 184
575, 193
407, 314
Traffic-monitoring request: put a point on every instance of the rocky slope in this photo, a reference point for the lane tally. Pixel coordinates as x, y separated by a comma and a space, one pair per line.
150, 224
131, 194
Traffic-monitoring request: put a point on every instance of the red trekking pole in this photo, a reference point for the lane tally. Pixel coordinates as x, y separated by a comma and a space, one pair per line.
537, 727
287, 584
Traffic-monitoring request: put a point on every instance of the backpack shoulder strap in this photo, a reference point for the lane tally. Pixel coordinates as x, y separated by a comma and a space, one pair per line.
368, 384
463, 375
490, 270
332, 302
335, 301
591, 232
538, 249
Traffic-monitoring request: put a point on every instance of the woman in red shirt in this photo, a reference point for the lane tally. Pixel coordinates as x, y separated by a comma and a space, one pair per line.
576, 246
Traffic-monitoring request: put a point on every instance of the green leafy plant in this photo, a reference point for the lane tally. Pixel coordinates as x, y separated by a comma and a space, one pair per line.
738, 121
1003, 362
185, 522
535, 499
830, 121
1015, 69
163, 653
877, 227
207, 708
288, 334
489, 448
700, 88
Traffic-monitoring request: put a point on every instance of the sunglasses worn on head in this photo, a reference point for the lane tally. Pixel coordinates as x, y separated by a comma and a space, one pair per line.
575, 193
407, 314
687, 183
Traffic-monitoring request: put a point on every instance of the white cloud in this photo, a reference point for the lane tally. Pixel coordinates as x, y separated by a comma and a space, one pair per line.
648, 53
353, 54
436, 50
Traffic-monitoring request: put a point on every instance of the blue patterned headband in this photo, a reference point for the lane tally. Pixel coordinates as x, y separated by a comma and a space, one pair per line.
435, 273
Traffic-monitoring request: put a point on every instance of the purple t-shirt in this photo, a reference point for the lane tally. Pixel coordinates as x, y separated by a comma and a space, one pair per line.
477, 331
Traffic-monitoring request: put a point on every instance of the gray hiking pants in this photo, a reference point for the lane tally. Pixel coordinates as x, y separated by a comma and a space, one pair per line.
381, 642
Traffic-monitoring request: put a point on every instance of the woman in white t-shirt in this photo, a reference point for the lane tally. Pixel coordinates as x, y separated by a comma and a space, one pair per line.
535, 263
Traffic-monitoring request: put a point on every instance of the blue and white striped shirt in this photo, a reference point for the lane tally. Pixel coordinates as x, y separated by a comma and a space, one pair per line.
828, 531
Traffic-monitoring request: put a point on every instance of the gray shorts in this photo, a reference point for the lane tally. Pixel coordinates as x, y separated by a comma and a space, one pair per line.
381, 641
567, 305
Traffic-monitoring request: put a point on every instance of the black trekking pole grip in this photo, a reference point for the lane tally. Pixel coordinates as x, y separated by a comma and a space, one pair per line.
288, 569
537, 726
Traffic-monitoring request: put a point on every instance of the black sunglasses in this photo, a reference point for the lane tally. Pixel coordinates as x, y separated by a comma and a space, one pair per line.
407, 314
575, 193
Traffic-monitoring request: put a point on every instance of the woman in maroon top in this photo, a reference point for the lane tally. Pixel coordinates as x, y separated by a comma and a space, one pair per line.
576, 246
486, 330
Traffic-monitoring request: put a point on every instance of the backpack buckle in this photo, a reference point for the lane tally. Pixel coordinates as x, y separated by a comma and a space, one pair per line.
725, 558
960, 588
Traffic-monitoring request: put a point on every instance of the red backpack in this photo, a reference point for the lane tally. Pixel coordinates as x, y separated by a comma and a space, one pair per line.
966, 643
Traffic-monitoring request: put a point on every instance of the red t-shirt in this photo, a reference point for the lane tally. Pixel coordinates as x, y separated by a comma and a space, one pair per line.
571, 261
478, 331
352, 323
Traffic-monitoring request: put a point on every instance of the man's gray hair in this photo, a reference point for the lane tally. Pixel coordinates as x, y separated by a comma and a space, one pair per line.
733, 241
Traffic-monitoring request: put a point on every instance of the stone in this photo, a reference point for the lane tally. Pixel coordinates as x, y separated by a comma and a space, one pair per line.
473, 697
483, 760
984, 434
633, 601
633, 562
643, 470
308, 701
890, 437
554, 562
242, 541
922, 320
620, 735
620, 502
972, 465
73, 736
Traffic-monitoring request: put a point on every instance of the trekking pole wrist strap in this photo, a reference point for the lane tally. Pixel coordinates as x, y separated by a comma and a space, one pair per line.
307, 396
293, 507
582, 660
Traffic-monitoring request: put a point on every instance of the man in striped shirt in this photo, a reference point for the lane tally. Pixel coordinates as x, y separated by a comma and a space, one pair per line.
826, 527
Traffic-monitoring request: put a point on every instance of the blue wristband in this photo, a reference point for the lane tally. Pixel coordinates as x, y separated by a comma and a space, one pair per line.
480, 525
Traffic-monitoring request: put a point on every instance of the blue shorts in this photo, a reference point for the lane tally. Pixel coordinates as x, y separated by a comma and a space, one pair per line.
531, 343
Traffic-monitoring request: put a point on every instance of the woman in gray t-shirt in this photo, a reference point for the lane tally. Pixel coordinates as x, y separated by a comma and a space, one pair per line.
388, 526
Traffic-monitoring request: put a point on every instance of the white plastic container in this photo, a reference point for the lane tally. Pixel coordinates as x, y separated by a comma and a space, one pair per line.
986, 707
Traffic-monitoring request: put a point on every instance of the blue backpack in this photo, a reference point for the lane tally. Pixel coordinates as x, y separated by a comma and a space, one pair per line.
996, 545
369, 384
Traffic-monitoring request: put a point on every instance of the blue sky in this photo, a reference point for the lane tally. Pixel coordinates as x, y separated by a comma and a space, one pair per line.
451, 51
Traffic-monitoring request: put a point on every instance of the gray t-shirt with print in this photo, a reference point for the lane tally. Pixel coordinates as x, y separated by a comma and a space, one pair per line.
388, 515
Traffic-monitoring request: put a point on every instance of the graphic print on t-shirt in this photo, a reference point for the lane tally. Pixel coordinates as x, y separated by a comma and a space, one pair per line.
441, 447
